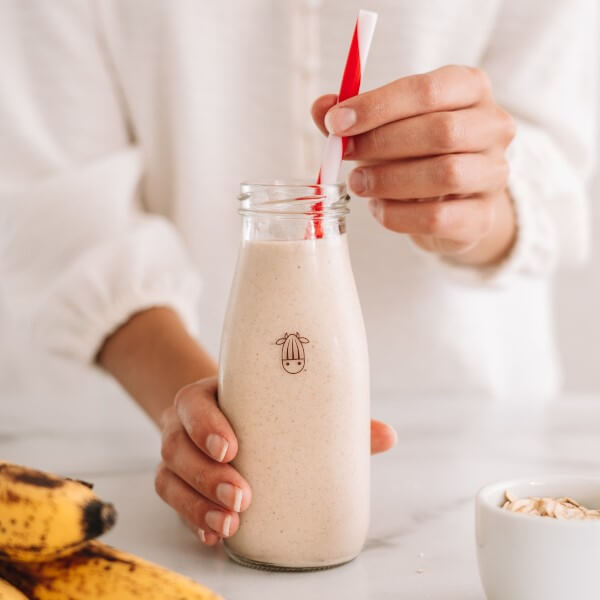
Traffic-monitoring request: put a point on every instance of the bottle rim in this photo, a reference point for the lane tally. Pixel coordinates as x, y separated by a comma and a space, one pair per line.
293, 199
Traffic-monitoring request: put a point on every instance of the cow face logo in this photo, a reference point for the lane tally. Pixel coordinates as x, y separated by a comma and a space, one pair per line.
292, 352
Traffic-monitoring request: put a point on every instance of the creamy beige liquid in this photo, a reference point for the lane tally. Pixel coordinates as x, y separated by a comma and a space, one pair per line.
299, 404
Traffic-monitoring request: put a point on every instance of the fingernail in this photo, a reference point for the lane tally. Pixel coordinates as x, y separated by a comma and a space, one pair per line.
230, 495
218, 521
337, 120
358, 181
349, 146
217, 446
202, 535
227, 525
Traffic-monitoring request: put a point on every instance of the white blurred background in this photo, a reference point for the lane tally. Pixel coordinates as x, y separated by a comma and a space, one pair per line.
577, 301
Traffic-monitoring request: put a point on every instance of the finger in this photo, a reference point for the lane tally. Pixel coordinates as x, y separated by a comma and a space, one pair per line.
208, 538
447, 88
465, 221
193, 507
383, 437
207, 426
220, 483
464, 174
469, 130
443, 246
319, 110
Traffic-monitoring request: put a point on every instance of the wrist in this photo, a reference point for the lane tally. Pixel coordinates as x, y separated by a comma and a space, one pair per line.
153, 356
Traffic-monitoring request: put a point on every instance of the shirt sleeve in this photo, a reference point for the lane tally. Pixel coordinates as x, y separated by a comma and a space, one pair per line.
79, 254
542, 59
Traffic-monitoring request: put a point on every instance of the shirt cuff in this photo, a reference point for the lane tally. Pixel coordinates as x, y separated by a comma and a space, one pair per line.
147, 267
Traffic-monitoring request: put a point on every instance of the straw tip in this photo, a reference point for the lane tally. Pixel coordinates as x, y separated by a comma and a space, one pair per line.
367, 14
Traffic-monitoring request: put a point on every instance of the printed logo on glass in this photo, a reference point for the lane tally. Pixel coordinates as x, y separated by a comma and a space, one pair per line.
292, 352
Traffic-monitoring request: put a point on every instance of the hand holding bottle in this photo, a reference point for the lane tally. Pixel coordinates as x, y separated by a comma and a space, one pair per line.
195, 477
154, 358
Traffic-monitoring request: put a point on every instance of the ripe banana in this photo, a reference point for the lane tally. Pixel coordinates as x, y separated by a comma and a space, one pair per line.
8, 592
44, 516
103, 573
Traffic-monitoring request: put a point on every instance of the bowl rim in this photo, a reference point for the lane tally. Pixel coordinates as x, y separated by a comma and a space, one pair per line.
483, 496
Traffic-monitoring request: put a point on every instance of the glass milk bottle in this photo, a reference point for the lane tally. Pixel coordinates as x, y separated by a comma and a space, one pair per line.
294, 381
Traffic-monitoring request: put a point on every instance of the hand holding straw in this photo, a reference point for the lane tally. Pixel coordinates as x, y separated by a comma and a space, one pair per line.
350, 86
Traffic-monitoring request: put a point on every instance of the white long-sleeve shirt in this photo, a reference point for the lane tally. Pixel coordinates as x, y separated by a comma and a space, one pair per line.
126, 127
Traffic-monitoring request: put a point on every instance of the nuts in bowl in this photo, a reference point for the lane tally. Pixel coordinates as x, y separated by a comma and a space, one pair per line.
555, 508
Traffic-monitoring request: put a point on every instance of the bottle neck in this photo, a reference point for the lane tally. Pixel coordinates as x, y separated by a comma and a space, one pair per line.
283, 211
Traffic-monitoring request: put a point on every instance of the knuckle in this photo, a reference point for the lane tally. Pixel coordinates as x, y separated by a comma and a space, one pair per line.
166, 417
508, 124
191, 394
450, 172
196, 508
482, 79
169, 445
434, 220
447, 131
201, 479
428, 88
377, 141
181, 396
161, 481
383, 214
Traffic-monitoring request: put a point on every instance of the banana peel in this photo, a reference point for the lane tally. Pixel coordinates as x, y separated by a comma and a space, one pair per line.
104, 573
44, 516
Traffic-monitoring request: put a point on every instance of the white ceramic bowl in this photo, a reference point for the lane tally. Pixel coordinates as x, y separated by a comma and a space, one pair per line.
524, 557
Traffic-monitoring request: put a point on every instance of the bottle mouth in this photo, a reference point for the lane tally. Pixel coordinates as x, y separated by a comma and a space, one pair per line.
293, 199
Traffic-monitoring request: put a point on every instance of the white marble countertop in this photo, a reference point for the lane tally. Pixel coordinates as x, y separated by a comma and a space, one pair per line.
421, 542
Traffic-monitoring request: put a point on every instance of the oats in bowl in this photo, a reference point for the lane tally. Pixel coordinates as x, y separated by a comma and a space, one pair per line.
555, 508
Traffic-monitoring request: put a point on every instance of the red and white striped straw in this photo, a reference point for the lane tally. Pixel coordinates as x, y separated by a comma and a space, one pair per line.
355, 67
350, 86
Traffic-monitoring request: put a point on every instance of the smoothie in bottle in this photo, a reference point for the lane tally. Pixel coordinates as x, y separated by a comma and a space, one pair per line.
294, 382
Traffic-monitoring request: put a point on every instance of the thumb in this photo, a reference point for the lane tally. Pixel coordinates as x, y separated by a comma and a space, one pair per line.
383, 437
197, 409
319, 110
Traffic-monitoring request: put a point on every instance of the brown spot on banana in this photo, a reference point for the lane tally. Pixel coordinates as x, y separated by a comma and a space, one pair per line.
97, 517
25, 582
11, 498
30, 476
